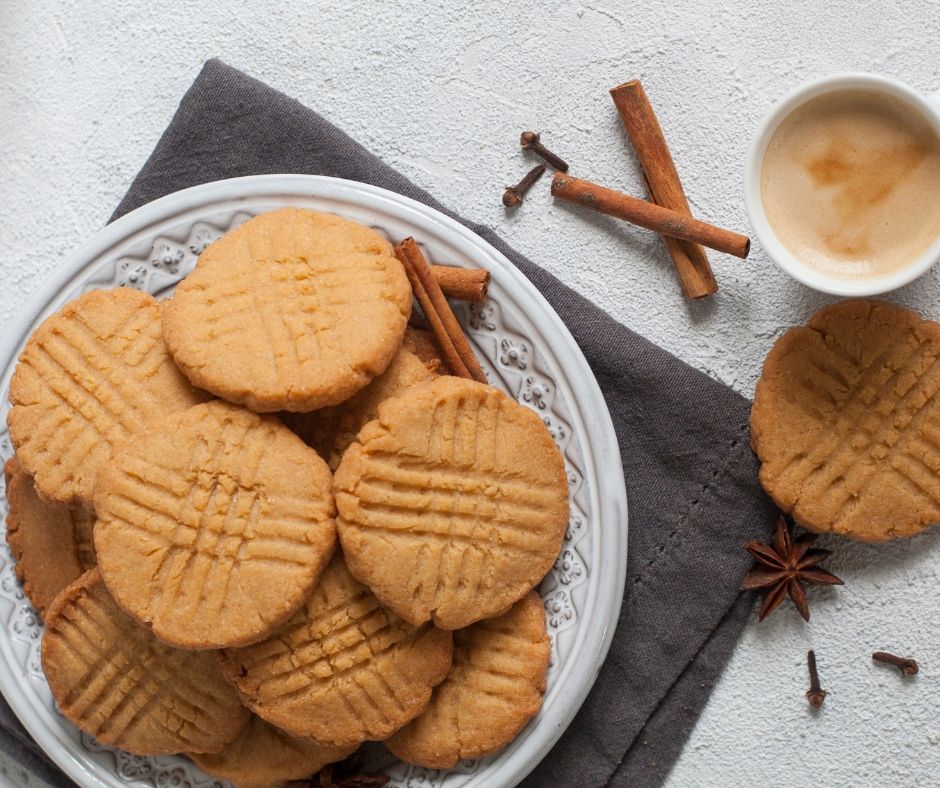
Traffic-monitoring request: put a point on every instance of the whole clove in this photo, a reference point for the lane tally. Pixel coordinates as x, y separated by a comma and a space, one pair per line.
530, 140
907, 666
514, 195
815, 694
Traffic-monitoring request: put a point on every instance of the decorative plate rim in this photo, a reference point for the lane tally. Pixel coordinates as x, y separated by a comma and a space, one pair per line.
592, 419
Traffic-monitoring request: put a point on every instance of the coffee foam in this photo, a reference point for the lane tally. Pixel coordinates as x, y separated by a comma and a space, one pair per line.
850, 183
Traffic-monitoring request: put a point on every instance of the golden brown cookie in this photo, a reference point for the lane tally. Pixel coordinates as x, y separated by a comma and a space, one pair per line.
422, 343
846, 421
493, 689
117, 682
293, 310
343, 669
91, 374
452, 504
51, 542
331, 430
263, 755
213, 525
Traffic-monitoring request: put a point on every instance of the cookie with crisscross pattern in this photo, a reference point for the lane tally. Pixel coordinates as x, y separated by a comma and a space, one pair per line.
293, 310
263, 755
493, 689
452, 504
213, 525
50, 541
332, 430
117, 682
92, 374
344, 669
846, 421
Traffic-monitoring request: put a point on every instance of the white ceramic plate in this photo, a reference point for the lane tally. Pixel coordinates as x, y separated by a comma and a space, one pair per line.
525, 349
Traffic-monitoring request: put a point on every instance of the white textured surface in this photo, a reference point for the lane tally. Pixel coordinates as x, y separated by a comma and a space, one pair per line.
86, 89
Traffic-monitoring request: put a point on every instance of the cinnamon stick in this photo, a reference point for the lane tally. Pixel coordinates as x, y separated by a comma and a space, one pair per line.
447, 331
649, 215
662, 180
463, 284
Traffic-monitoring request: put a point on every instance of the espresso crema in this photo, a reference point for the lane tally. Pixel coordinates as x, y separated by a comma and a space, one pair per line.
850, 183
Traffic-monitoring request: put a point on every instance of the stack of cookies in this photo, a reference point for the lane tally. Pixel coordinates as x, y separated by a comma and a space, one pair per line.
263, 525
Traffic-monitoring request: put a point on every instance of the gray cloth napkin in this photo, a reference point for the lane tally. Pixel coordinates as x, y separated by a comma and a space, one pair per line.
691, 477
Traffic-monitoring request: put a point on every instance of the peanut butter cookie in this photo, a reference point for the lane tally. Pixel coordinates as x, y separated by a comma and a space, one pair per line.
493, 689
846, 421
422, 343
92, 373
331, 430
117, 682
213, 525
343, 669
51, 542
294, 310
263, 755
452, 504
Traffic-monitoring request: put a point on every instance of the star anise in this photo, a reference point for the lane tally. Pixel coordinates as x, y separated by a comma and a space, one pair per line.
782, 568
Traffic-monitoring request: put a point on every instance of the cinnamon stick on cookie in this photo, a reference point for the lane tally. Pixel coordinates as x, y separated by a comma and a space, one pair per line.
463, 284
447, 331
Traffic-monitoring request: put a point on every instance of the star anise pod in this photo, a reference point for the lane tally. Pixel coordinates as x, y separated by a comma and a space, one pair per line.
782, 568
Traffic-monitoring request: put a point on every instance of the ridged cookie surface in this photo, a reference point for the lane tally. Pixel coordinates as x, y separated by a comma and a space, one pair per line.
92, 374
493, 689
343, 669
846, 421
293, 310
51, 542
117, 682
332, 430
452, 504
213, 525
263, 755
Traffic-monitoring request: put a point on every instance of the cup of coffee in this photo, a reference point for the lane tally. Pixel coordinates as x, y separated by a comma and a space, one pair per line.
842, 184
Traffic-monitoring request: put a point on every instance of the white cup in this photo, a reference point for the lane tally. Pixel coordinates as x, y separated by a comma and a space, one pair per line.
929, 106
